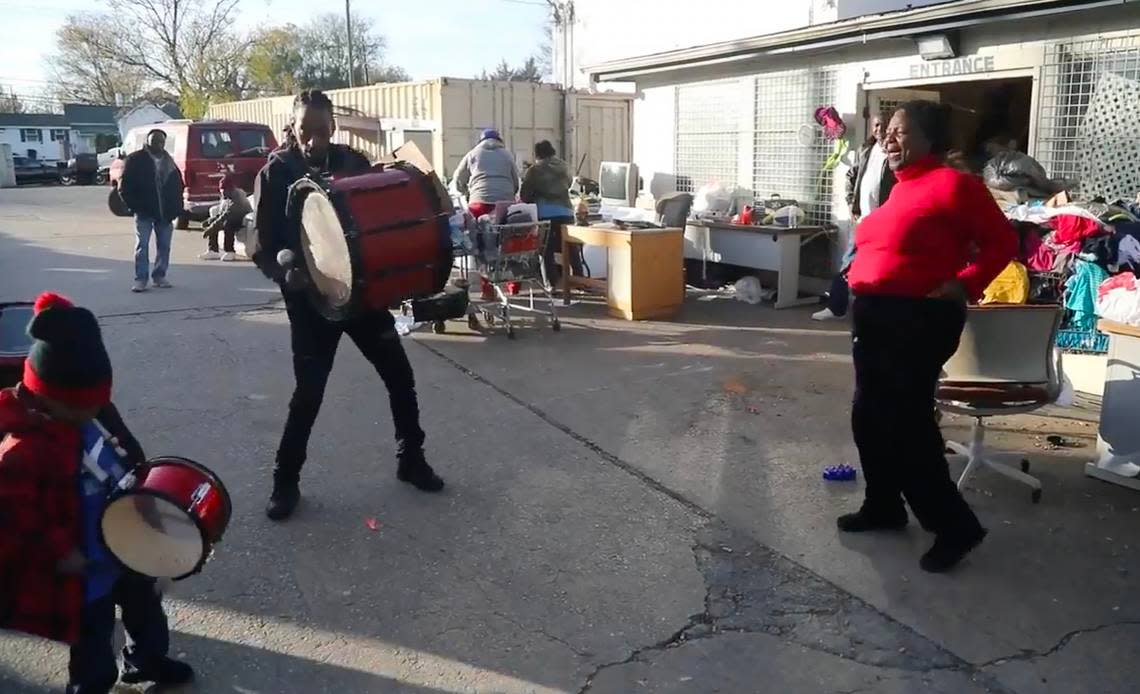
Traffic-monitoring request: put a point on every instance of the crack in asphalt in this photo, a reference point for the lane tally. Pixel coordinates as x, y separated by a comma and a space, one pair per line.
1065, 640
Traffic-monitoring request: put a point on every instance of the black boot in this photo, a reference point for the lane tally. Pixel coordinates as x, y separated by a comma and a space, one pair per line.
945, 553
166, 672
865, 519
415, 471
283, 501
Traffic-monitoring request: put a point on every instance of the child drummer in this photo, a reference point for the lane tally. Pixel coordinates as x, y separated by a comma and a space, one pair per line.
57, 580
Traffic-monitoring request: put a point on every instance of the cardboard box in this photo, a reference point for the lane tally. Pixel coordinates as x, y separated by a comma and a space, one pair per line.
409, 153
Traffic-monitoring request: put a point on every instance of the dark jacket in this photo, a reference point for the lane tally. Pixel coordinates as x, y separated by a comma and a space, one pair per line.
547, 181
140, 190
274, 230
855, 181
40, 522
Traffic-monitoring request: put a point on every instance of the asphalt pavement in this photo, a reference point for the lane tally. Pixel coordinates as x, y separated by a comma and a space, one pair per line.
630, 507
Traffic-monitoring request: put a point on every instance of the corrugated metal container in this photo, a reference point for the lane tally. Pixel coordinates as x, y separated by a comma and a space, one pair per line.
444, 117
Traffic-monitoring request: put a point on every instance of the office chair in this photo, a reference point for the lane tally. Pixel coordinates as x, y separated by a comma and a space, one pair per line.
1007, 363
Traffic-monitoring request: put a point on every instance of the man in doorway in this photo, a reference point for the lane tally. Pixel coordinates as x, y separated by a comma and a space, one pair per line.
314, 338
151, 187
868, 185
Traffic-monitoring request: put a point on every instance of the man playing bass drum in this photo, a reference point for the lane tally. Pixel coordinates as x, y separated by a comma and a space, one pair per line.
314, 338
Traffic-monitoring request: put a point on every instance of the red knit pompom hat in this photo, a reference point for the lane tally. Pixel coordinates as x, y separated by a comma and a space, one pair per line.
67, 362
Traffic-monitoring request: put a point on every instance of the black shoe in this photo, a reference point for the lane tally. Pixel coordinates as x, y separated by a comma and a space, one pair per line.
862, 521
283, 501
166, 672
946, 553
415, 471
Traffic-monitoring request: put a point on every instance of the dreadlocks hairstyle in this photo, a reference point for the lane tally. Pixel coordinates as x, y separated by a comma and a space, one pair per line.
315, 98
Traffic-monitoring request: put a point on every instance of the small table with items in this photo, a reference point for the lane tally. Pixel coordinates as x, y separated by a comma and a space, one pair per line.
774, 248
644, 269
1118, 438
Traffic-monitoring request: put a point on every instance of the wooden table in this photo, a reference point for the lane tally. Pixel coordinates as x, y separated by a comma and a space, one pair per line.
774, 248
1118, 437
645, 275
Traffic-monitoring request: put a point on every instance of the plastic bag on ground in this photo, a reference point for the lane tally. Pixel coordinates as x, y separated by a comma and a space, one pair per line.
749, 290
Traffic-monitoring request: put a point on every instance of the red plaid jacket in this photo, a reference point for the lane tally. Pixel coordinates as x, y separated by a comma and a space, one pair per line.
39, 522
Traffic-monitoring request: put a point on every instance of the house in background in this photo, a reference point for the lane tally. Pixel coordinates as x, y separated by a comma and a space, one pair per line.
145, 114
51, 137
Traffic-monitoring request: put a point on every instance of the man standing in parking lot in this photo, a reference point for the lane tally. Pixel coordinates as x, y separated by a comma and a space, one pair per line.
152, 188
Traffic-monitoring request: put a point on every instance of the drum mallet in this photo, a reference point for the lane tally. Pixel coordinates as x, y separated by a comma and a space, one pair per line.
286, 258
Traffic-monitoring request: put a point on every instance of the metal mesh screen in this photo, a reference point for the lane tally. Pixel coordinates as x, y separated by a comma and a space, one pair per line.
707, 131
784, 166
1067, 142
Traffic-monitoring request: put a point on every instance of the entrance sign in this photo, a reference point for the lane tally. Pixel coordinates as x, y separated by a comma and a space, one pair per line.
971, 65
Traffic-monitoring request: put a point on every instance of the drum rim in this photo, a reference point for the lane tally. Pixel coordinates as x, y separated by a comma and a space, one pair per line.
299, 191
10, 304
206, 544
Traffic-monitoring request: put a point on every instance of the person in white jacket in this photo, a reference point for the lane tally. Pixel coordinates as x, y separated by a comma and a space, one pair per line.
487, 174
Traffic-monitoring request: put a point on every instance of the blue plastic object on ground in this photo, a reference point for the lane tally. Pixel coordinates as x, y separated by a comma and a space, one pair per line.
839, 473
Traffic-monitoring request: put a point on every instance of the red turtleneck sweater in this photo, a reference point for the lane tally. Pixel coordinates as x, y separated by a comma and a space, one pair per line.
937, 225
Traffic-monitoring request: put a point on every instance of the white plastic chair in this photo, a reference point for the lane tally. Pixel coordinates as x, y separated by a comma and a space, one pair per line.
1007, 363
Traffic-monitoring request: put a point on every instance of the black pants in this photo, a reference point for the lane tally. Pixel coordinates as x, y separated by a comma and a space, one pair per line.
229, 232
554, 245
93, 667
899, 348
838, 296
315, 341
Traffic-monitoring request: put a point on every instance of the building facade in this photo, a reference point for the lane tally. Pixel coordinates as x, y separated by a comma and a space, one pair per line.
1057, 79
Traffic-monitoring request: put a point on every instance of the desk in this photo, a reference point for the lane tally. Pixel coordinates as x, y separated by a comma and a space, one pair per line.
1118, 437
644, 269
773, 248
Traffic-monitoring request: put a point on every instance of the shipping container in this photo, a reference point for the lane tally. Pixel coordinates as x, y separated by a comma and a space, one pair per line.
445, 116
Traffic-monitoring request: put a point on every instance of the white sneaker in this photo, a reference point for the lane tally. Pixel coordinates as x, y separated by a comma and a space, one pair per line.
163, 283
824, 315
138, 287
209, 255
229, 257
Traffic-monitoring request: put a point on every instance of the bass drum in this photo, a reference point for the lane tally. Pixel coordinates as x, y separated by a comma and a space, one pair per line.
372, 240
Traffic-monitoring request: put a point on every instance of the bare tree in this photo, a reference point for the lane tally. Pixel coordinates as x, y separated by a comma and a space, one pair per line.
82, 72
529, 71
10, 102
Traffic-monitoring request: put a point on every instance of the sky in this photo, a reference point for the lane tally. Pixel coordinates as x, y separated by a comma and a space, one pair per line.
428, 38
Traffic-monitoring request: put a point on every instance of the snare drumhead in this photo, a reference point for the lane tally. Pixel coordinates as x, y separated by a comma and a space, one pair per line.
326, 250
152, 536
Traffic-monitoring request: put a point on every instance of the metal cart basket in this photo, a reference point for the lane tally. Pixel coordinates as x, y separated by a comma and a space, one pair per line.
508, 257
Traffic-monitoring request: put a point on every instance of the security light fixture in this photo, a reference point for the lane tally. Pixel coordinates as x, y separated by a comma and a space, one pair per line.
937, 46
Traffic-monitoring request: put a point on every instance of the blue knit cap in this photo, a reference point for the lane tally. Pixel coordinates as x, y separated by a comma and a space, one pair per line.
490, 134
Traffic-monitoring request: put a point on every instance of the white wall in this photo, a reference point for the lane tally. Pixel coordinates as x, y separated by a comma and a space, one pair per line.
605, 30
143, 115
46, 150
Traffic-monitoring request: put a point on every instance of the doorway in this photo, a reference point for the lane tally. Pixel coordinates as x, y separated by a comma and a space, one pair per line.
986, 115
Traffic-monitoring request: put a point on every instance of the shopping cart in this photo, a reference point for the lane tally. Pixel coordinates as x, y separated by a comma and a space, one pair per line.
508, 257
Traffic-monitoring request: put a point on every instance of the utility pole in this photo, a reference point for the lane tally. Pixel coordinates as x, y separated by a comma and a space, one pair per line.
348, 26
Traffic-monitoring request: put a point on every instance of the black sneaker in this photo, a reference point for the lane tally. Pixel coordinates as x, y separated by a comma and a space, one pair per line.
415, 471
862, 521
945, 553
166, 672
283, 501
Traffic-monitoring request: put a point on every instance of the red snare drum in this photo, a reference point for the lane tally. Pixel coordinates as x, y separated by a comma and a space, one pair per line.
165, 521
14, 340
372, 240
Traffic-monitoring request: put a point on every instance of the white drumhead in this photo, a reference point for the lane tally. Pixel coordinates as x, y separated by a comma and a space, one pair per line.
326, 250
152, 536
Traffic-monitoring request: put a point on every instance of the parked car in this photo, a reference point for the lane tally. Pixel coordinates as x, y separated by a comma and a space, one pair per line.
82, 168
34, 171
205, 151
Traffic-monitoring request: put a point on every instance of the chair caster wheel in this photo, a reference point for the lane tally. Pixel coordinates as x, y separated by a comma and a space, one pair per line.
439, 327
510, 333
473, 322
1024, 465
1036, 496
556, 326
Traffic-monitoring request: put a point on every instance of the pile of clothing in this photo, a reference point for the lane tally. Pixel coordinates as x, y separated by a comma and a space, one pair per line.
1069, 250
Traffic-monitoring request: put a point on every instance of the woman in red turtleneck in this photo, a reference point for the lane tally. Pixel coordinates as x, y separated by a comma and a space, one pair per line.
936, 243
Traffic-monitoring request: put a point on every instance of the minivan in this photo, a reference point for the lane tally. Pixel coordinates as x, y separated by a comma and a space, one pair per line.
205, 151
